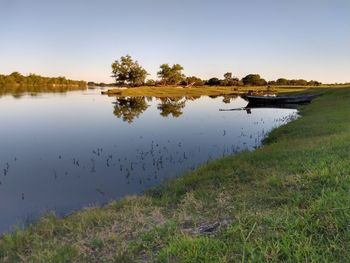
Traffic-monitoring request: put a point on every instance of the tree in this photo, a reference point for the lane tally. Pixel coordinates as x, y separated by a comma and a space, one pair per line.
314, 83
10, 81
37, 83
151, 82
17, 76
128, 72
228, 75
213, 82
295, 82
282, 81
171, 75
230, 80
254, 80
194, 81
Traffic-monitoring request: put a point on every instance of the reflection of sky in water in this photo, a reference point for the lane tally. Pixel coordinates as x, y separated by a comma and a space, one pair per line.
65, 151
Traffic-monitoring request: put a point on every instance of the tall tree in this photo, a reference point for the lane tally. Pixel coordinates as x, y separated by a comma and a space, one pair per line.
128, 72
17, 76
254, 80
213, 82
171, 75
195, 81
229, 80
228, 75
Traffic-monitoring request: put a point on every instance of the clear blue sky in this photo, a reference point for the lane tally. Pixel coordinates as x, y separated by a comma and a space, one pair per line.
80, 38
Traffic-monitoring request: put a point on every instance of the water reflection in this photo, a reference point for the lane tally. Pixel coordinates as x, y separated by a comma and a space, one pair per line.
228, 98
192, 98
18, 91
171, 106
129, 108
56, 156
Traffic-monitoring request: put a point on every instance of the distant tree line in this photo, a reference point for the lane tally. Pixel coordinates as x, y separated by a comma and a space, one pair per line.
294, 82
128, 72
100, 84
16, 79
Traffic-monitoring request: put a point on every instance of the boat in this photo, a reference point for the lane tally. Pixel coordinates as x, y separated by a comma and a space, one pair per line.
280, 100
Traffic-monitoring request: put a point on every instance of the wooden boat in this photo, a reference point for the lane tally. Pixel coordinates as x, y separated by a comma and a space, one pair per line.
277, 100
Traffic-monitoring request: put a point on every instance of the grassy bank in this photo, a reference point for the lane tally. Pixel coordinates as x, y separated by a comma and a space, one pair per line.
177, 91
196, 91
287, 201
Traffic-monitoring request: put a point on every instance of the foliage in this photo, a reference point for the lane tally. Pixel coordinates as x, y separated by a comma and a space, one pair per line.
229, 80
294, 82
213, 82
228, 75
16, 79
194, 81
101, 84
171, 75
151, 82
254, 80
128, 72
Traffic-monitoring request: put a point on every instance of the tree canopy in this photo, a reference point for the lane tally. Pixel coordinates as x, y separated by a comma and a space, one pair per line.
193, 80
229, 80
294, 82
213, 82
171, 75
128, 72
254, 80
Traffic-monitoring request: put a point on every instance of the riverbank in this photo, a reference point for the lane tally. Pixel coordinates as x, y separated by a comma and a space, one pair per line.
286, 201
199, 91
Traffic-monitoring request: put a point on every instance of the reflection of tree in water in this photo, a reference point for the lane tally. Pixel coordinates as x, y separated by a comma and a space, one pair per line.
227, 98
193, 98
171, 106
19, 91
129, 108
149, 98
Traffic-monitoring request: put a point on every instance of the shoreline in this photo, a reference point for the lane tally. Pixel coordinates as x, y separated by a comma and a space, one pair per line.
177, 91
246, 204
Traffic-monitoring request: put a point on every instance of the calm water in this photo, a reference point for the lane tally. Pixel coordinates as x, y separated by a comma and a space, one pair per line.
65, 151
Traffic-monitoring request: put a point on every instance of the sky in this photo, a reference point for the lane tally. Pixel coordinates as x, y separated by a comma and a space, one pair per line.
80, 39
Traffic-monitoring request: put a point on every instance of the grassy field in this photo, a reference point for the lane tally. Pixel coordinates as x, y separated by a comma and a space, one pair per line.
196, 91
288, 201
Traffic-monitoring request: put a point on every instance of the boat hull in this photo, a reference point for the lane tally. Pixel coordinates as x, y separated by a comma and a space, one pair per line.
268, 100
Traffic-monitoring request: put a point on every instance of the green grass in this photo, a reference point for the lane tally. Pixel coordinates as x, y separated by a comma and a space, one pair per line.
196, 91
177, 91
288, 201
